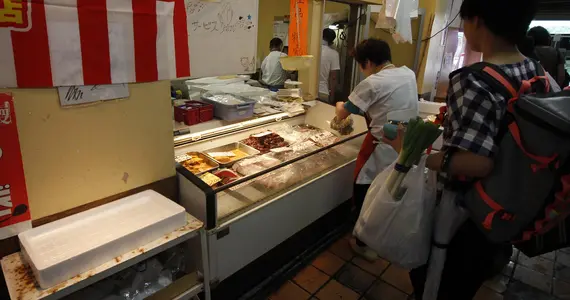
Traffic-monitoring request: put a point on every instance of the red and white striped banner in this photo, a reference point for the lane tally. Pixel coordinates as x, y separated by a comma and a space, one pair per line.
45, 43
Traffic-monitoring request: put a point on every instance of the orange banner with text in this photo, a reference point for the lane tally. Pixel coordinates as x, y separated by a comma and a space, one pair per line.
299, 27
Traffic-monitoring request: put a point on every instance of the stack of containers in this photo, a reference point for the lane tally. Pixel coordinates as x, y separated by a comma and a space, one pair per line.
194, 112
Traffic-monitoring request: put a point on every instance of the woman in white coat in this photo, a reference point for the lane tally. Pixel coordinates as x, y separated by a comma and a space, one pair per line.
388, 93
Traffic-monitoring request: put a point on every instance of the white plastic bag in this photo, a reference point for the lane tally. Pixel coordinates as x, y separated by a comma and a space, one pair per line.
400, 231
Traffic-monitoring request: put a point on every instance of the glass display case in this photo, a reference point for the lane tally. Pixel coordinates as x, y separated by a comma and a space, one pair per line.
284, 173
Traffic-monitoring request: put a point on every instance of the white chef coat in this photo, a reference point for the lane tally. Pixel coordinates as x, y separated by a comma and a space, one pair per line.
272, 72
390, 94
330, 61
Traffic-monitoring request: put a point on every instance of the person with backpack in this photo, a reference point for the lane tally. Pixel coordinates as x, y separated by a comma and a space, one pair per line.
484, 123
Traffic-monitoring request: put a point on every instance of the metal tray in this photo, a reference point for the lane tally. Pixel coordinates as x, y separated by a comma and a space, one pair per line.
229, 147
205, 158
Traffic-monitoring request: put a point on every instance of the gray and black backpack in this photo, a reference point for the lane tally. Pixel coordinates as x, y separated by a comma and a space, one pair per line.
526, 198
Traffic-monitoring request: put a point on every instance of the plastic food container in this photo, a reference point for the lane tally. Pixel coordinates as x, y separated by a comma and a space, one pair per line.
227, 176
226, 108
194, 112
233, 146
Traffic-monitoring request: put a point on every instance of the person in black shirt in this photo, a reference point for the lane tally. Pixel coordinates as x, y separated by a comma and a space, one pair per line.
550, 58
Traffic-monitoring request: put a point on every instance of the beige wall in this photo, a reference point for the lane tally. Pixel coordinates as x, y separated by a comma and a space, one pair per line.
332, 7
269, 9
403, 54
77, 155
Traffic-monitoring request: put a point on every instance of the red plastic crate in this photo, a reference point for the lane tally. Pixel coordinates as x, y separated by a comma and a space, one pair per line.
193, 112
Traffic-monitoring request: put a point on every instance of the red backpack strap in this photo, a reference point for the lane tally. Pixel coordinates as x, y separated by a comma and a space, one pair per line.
541, 77
496, 78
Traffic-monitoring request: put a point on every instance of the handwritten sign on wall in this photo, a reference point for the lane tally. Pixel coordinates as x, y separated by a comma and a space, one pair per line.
298, 27
73, 95
222, 36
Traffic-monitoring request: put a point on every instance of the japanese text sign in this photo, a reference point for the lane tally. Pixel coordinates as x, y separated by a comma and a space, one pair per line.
299, 27
14, 208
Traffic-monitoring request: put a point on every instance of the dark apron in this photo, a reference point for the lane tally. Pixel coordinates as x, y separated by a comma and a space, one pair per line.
366, 150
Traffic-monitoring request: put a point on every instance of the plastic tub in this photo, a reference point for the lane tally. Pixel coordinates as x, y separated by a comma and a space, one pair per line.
230, 110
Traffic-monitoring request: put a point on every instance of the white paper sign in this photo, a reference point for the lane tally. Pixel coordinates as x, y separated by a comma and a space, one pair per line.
262, 134
81, 94
281, 149
182, 157
221, 154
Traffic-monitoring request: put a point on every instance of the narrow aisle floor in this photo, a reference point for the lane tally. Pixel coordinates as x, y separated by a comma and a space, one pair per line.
337, 274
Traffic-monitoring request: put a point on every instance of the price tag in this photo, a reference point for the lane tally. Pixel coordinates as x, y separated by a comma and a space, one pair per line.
262, 134
221, 154
210, 178
281, 150
182, 157
324, 139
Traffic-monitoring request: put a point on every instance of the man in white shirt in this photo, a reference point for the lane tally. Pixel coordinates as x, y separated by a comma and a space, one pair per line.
272, 73
330, 67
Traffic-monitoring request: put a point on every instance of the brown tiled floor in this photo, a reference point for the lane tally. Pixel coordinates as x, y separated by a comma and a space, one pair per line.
338, 274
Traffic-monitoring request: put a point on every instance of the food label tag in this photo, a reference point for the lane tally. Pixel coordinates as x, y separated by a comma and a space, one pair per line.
221, 154
182, 157
262, 134
210, 178
281, 149
322, 136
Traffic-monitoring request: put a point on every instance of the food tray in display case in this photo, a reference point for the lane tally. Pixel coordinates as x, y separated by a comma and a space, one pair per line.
269, 180
197, 162
293, 161
239, 150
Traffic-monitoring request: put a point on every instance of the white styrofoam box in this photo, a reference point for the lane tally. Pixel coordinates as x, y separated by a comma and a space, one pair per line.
216, 80
65, 248
244, 90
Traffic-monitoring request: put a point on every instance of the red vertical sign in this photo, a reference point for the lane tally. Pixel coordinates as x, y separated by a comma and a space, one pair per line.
14, 209
298, 27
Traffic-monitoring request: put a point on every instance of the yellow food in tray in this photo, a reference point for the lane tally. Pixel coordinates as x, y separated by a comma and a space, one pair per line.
197, 165
238, 154
210, 178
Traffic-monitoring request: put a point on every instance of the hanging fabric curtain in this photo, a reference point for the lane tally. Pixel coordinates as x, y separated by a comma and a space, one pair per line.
46, 43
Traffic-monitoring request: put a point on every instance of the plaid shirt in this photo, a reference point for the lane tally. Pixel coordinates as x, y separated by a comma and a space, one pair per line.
475, 112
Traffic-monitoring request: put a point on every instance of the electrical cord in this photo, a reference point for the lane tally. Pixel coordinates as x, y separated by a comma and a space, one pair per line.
444, 28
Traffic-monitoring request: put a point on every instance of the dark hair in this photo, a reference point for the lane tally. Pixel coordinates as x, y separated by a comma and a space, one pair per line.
526, 47
508, 19
275, 43
373, 50
540, 35
329, 35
